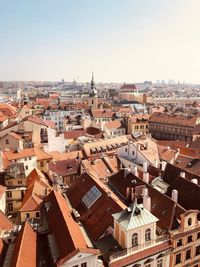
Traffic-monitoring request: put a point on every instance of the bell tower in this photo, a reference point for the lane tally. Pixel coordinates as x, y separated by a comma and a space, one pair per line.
93, 98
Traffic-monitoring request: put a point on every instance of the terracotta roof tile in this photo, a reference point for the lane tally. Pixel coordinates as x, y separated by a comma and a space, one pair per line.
25, 249
163, 207
104, 206
64, 167
5, 223
68, 231
114, 125
102, 113
74, 134
68, 155
174, 119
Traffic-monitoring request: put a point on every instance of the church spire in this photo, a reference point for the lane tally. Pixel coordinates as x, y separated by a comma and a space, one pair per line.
93, 91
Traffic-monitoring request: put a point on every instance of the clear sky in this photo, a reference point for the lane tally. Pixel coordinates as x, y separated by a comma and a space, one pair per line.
120, 40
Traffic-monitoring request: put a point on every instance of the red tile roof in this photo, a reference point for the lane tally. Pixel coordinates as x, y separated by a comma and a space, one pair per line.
40, 121
102, 113
173, 119
3, 117
65, 229
136, 118
8, 110
104, 206
114, 125
163, 207
5, 223
64, 167
34, 196
25, 249
74, 134
128, 87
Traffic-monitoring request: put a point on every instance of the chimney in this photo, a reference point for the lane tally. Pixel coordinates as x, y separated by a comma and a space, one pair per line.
195, 181
156, 163
175, 195
145, 166
126, 172
182, 174
135, 171
127, 192
132, 194
138, 146
146, 200
146, 177
163, 165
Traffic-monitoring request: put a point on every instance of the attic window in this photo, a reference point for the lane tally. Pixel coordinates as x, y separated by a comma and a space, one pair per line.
91, 196
189, 221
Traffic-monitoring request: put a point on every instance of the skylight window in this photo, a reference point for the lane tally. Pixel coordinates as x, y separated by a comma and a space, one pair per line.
91, 197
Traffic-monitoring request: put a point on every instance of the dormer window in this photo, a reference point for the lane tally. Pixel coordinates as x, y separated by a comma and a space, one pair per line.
134, 239
189, 221
148, 235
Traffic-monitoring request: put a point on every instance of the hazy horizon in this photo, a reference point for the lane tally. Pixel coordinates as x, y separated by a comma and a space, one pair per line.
121, 41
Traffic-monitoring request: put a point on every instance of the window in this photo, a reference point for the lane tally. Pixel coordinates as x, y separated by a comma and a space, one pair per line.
10, 206
134, 239
126, 150
179, 243
197, 250
178, 258
84, 264
9, 194
148, 235
41, 164
37, 214
133, 153
26, 167
7, 142
30, 158
27, 215
91, 196
189, 239
19, 182
188, 254
25, 159
160, 263
189, 221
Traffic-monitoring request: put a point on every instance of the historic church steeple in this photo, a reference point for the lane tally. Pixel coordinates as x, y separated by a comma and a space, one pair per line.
93, 91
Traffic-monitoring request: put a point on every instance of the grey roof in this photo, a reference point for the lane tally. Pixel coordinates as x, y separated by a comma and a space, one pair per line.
134, 216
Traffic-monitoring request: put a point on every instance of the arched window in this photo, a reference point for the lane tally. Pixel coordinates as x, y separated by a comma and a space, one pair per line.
148, 235
189, 221
134, 239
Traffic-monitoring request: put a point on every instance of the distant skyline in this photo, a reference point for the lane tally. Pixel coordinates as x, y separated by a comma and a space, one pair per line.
121, 41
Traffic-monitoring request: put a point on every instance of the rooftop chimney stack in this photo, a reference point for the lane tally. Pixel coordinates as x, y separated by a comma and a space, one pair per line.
146, 200
145, 166
163, 165
135, 171
175, 195
146, 177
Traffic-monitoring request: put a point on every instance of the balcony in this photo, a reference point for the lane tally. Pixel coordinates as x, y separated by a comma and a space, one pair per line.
132, 250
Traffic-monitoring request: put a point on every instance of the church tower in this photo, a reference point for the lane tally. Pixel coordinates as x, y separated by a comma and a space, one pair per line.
93, 98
